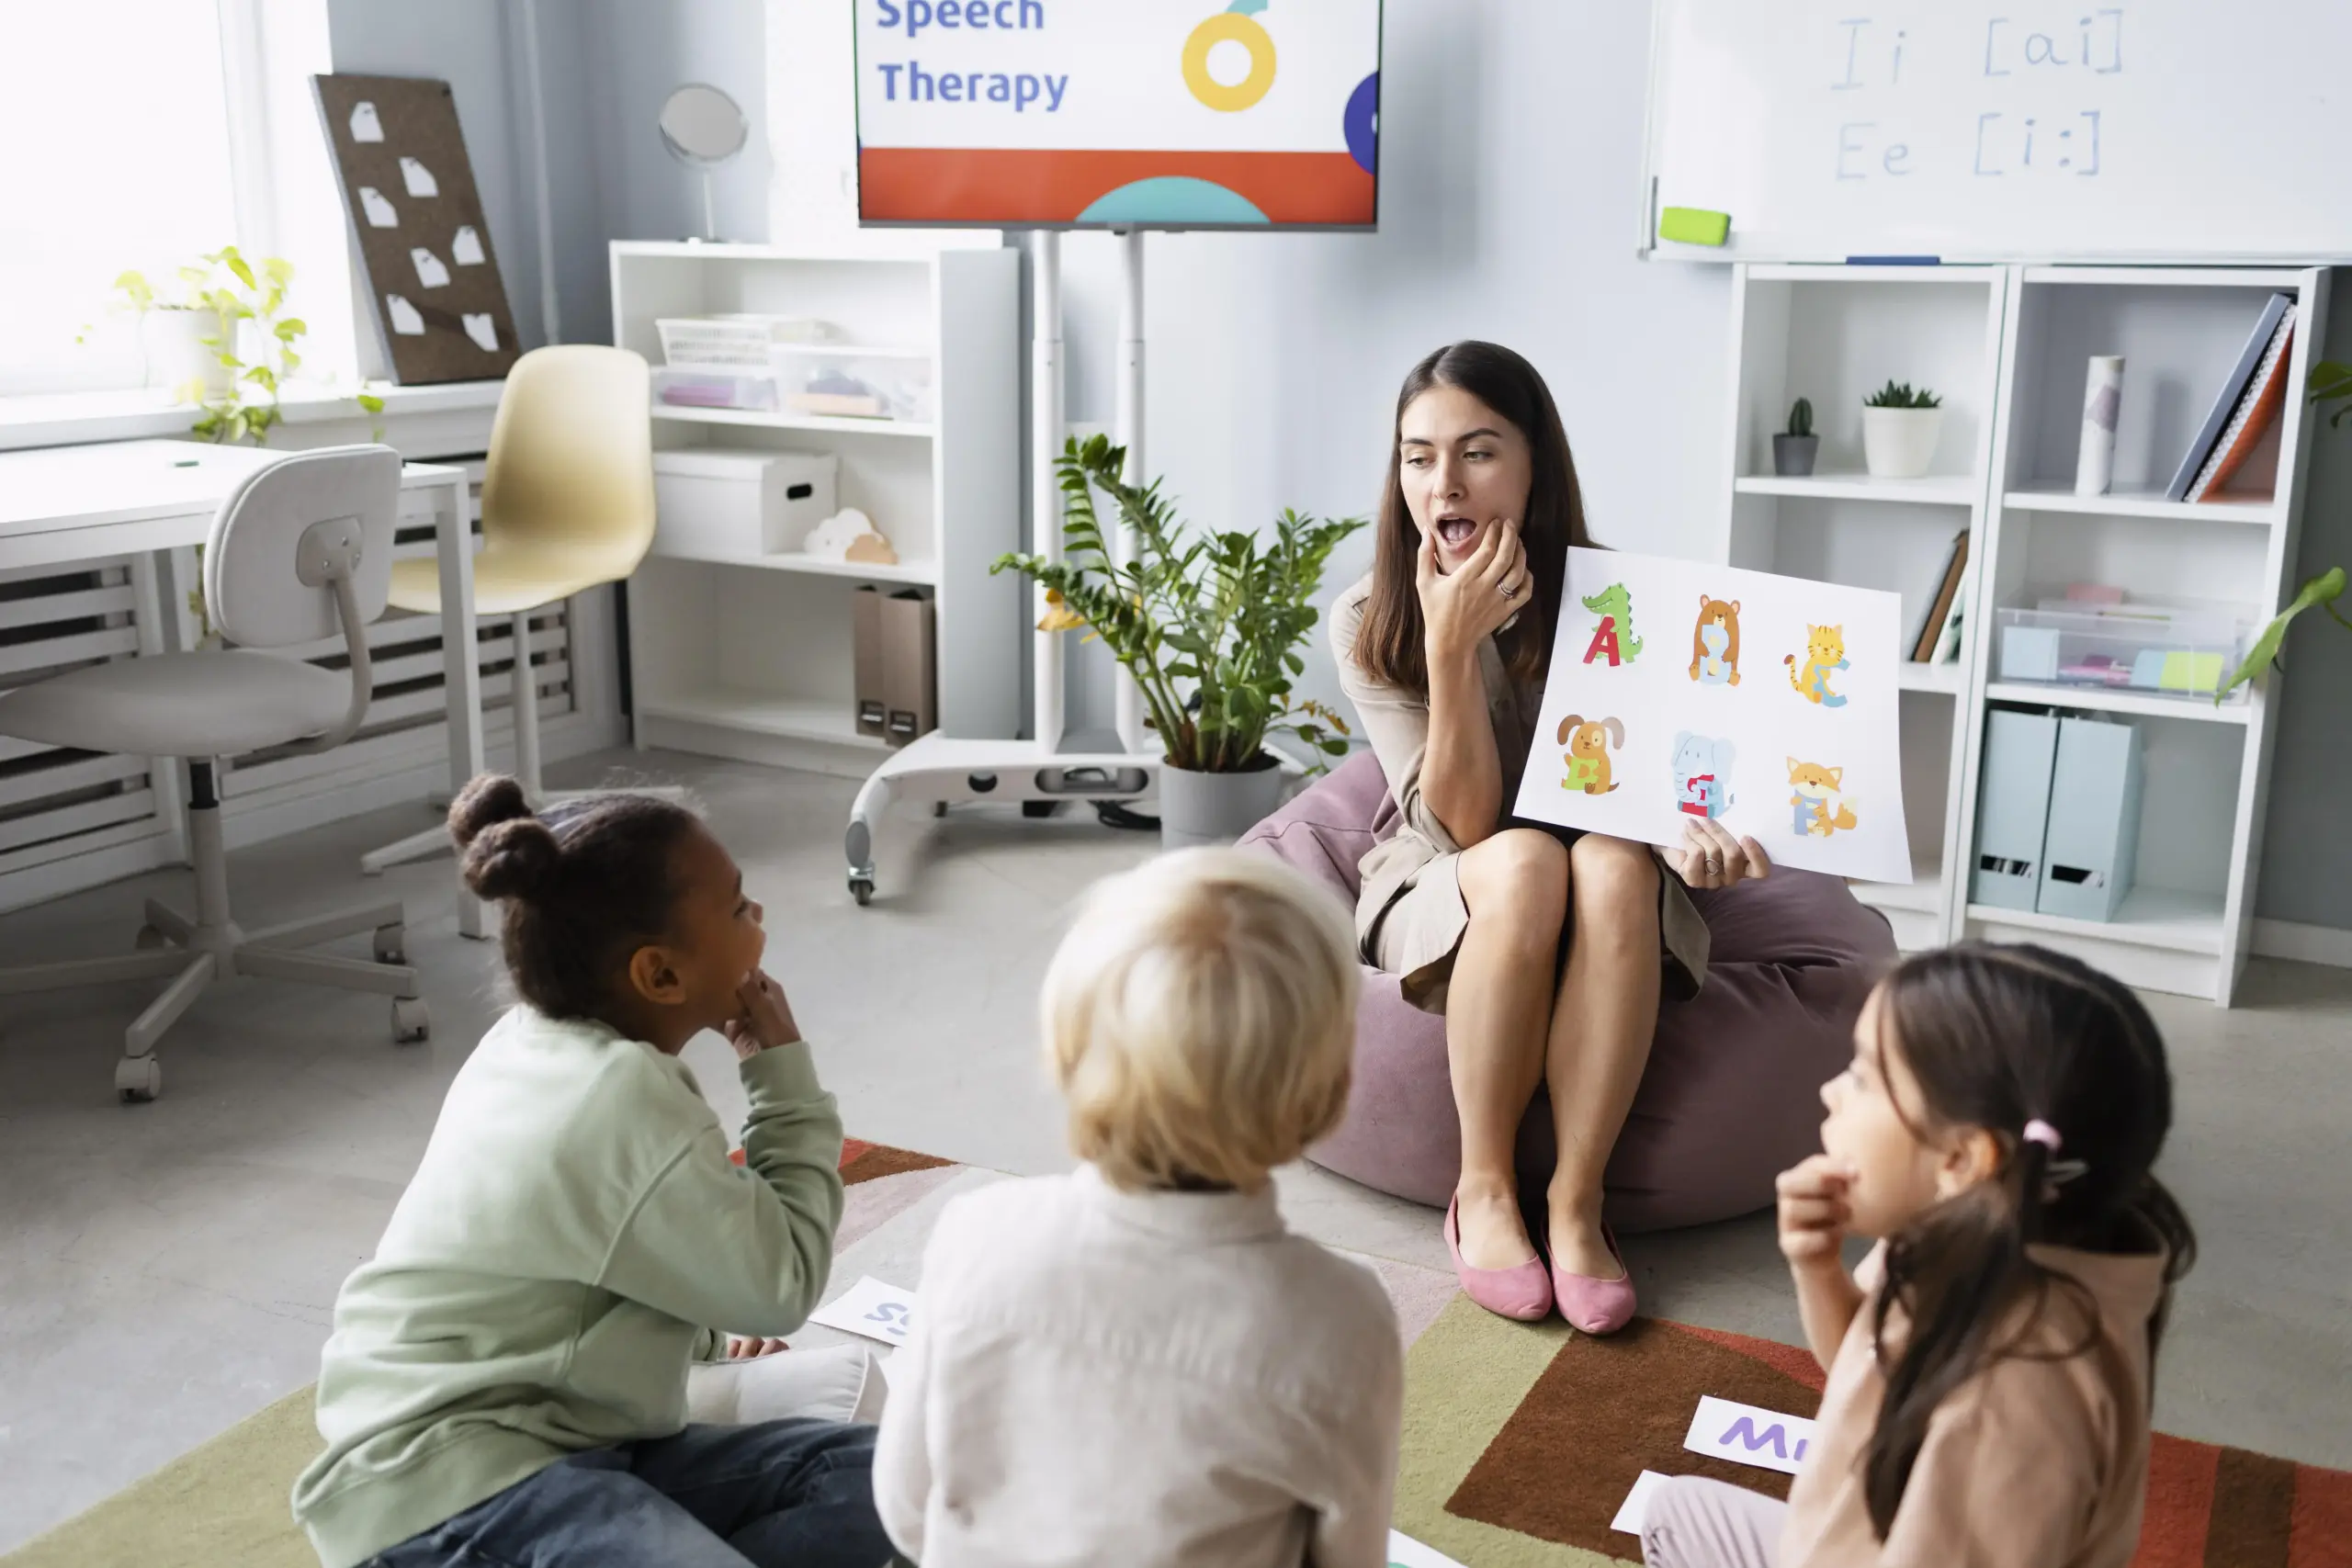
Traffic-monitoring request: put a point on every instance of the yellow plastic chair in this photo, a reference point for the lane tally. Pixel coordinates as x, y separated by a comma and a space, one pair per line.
567, 505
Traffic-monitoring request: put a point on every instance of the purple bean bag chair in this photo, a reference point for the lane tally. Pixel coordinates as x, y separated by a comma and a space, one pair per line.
1732, 1094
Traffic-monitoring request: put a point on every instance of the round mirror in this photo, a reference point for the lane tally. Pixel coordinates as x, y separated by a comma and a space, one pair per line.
702, 126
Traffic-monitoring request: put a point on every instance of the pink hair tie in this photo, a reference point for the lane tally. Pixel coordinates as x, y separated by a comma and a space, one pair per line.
2040, 1131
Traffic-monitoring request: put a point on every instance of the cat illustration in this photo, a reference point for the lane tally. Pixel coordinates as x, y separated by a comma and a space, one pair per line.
1714, 643
1824, 652
1818, 803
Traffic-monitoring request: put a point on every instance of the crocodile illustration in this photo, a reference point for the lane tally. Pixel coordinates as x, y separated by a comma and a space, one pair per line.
1614, 636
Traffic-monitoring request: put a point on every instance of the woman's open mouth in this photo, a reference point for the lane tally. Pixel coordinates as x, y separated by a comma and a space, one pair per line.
1454, 532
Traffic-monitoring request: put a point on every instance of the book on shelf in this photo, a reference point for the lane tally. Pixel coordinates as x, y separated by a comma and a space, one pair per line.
1948, 643
2227, 401
1932, 625
2265, 394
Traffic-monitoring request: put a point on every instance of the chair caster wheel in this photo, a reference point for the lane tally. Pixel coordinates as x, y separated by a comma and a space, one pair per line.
1039, 811
137, 1078
149, 940
862, 889
938, 809
392, 944
411, 1021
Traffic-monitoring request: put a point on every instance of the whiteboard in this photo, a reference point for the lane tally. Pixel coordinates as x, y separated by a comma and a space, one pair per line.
2149, 130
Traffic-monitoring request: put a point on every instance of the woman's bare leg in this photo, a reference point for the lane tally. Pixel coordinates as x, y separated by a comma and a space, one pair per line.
1601, 1035
1516, 887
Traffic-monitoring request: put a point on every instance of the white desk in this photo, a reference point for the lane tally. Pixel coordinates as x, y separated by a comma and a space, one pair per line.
63, 504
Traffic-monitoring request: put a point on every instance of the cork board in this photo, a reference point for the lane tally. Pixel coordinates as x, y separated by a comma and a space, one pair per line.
440, 306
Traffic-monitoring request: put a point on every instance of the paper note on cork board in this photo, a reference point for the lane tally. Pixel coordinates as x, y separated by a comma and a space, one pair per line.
409, 188
1680, 691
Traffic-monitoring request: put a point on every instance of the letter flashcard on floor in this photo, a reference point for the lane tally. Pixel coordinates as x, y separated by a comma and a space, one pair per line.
1744, 1434
1636, 1506
1780, 723
871, 1308
1404, 1552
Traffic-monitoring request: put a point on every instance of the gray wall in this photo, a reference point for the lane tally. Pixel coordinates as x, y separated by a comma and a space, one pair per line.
605, 66
1510, 173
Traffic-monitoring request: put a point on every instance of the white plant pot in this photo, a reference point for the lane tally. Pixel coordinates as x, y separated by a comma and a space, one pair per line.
1899, 444
176, 357
1214, 808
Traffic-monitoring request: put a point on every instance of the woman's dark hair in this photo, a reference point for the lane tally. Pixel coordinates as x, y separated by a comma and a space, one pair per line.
1388, 645
1999, 1037
583, 886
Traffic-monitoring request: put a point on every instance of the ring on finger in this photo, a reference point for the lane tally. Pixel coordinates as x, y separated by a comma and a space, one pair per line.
1508, 591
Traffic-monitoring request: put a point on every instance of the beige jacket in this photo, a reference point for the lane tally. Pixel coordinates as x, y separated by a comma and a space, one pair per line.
1409, 915
2041, 1460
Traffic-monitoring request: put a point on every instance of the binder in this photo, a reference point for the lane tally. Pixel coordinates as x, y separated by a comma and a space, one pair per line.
2094, 831
873, 716
2013, 808
909, 681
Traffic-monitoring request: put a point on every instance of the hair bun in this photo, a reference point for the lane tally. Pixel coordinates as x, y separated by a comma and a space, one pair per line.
508, 851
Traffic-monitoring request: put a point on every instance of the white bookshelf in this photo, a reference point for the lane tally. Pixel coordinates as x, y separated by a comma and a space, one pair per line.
2186, 924
749, 657
2006, 346
1834, 335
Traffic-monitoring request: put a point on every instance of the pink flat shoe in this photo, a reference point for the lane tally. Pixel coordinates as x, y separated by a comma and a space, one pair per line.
1596, 1307
1524, 1292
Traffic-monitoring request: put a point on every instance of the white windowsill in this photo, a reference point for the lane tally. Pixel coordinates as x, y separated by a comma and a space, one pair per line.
71, 418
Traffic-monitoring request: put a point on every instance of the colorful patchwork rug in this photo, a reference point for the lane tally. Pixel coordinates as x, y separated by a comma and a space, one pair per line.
1521, 1443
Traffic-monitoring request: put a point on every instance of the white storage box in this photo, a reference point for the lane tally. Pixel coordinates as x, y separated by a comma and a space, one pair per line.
731, 504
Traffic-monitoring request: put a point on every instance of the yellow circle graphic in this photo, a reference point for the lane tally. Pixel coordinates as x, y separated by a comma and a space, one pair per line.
1230, 27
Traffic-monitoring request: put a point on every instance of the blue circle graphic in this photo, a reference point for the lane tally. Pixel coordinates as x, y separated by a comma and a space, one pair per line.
1171, 198
1362, 123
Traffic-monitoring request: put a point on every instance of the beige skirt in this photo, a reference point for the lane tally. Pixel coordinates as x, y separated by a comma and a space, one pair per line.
1417, 934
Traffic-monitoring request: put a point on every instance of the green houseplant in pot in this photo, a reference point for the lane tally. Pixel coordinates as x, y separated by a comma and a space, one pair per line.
196, 340
1210, 626
1899, 430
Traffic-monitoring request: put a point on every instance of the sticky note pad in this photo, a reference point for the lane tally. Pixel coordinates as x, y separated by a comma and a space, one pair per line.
1693, 225
2191, 672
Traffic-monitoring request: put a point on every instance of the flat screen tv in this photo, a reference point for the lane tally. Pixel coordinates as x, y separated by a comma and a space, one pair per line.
1118, 114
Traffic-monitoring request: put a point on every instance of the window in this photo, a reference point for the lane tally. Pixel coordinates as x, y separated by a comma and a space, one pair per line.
115, 115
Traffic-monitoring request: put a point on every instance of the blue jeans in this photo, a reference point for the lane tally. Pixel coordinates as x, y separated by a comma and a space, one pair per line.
792, 1494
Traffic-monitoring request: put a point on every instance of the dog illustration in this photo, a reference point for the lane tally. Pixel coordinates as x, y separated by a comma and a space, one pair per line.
1714, 643
1589, 741
1817, 803
1702, 775
1825, 649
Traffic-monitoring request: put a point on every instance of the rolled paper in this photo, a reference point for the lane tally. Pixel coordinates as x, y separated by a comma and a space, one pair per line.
2102, 396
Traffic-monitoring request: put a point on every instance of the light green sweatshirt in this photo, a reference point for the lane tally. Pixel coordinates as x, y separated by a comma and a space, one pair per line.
575, 1227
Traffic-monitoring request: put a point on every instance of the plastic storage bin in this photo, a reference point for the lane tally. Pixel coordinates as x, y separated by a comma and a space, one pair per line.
752, 391
741, 341
846, 381
729, 506
2163, 651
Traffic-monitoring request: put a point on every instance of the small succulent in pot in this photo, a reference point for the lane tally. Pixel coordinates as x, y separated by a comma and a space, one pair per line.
1793, 453
1899, 430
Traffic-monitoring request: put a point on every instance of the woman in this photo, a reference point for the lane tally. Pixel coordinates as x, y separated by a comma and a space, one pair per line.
1545, 949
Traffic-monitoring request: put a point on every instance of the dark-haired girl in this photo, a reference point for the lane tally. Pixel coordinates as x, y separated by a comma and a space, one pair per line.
1990, 1363
506, 1381
1443, 650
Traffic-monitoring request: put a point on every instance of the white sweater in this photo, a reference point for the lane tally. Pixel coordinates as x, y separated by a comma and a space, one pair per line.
1146, 1378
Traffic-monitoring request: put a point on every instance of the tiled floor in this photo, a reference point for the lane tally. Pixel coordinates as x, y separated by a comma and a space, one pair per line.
166, 1270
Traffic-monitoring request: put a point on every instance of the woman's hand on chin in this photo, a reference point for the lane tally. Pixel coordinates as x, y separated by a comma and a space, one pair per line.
1710, 856
1462, 608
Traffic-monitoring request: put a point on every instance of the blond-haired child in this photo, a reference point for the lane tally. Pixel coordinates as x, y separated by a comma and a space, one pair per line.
1136, 1363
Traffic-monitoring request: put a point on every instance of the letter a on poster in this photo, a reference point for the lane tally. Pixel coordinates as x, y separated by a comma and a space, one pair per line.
1680, 691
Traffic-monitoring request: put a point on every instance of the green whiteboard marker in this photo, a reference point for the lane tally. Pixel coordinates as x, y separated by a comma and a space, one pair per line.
1693, 225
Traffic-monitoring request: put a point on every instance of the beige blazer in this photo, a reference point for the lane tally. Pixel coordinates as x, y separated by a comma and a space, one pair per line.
1409, 914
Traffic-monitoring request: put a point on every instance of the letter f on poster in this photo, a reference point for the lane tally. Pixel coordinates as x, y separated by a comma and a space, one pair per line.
1804, 756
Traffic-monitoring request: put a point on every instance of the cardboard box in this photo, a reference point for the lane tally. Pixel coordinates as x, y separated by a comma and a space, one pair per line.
872, 713
910, 673
734, 505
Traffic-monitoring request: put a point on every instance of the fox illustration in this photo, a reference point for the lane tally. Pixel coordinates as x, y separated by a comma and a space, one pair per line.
1817, 803
1824, 653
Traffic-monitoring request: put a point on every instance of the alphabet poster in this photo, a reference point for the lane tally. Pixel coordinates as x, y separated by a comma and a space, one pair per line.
440, 305
1679, 690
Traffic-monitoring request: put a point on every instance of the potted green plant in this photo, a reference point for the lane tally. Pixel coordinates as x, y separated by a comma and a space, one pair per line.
1793, 453
196, 342
1899, 430
1210, 626
2331, 382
